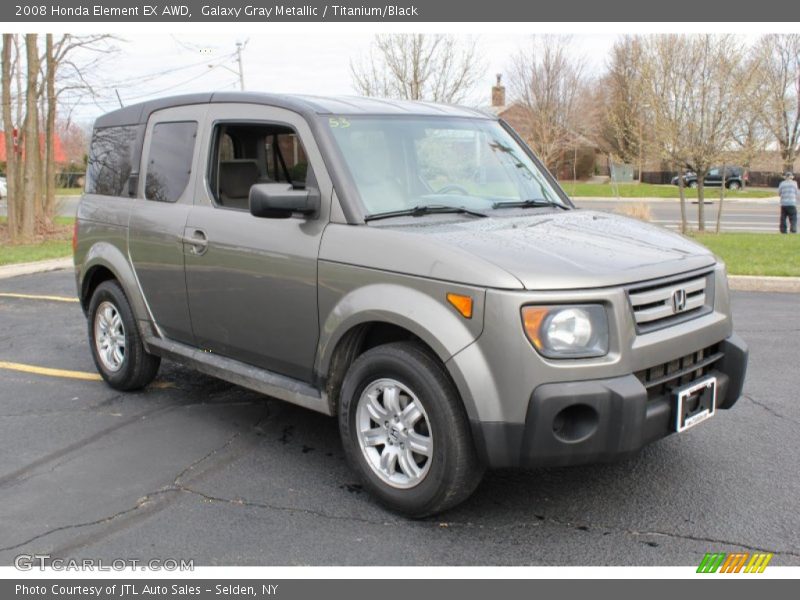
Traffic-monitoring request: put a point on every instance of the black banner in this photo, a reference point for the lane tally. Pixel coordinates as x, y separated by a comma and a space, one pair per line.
463, 589
408, 11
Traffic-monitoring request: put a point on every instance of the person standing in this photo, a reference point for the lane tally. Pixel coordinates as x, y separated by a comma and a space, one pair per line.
787, 190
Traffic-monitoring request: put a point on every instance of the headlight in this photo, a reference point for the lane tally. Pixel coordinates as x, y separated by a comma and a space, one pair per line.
567, 331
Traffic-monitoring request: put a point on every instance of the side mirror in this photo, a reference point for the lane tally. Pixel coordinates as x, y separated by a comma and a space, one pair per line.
280, 201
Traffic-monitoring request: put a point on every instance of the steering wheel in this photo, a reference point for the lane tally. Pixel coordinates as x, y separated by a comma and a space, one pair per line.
452, 187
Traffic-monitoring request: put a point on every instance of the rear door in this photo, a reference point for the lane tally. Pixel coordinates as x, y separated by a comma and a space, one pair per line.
714, 177
158, 217
252, 284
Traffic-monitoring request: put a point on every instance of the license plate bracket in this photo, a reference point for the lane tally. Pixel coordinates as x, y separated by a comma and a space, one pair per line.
695, 403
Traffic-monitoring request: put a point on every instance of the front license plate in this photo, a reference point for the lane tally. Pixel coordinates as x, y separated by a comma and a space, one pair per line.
695, 403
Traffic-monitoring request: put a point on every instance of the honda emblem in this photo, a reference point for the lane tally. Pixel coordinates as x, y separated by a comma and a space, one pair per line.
679, 300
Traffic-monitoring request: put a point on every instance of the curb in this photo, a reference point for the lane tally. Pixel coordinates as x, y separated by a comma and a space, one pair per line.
41, 266
749, 283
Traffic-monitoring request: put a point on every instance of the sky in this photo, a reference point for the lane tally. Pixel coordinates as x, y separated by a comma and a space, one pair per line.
157, 65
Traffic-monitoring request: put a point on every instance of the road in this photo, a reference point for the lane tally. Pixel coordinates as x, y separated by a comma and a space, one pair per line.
196, 468
760, 216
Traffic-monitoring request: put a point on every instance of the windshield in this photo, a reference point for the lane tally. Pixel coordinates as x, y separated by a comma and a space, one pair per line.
404, 163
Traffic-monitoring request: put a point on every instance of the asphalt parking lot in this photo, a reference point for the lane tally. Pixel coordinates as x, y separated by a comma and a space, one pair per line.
196, 468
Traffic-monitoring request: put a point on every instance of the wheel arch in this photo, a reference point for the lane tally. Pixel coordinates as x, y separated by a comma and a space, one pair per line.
104, 262
351, 329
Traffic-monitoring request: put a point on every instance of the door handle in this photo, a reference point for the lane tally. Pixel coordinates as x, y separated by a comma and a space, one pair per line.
197, 241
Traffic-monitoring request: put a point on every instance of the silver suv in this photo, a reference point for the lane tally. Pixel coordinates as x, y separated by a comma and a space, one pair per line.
409, 268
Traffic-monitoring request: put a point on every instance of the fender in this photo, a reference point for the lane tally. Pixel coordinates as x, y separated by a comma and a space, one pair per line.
104, 254
417, 305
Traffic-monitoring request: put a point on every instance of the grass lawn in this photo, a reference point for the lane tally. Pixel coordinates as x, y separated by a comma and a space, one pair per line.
69, 191
23, 253
649, 190
755, 253
58, 245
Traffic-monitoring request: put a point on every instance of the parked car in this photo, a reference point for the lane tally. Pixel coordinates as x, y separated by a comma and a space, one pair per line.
409, 268
3, 187
735, 178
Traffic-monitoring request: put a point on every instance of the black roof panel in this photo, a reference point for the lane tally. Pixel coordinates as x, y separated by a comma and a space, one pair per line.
305, 105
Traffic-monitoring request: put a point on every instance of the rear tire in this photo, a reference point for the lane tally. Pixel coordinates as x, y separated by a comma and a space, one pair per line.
734, 185
405, 431
117, 347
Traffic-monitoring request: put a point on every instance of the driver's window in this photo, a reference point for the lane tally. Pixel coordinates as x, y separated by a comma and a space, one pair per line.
713, 173
245, 154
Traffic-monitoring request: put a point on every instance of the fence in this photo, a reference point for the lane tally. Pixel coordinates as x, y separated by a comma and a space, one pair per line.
70, 179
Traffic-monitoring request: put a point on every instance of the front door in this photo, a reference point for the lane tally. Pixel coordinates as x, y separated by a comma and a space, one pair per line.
252, 282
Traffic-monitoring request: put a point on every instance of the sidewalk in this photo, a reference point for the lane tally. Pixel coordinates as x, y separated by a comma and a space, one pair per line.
42, 266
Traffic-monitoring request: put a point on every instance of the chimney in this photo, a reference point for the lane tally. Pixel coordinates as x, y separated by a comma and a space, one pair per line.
499, 93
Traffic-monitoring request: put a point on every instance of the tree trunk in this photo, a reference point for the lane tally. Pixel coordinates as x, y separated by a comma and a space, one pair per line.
721, 199
31, 156
701, 209
50, 134
682, 194
8, 126
788, 159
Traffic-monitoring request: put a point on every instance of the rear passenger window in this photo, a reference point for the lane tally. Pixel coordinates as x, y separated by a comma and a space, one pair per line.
170, 160
111, 159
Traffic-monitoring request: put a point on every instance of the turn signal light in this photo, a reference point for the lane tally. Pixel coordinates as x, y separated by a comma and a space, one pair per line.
463, 304
532, 317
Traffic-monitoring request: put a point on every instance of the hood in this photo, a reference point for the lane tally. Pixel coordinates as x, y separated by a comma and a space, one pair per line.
574, 249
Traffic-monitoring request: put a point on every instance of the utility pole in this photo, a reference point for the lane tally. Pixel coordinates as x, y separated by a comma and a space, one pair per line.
239, 72
239, 47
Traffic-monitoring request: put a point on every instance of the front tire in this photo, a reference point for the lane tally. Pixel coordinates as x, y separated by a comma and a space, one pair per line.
405, 431
117, 347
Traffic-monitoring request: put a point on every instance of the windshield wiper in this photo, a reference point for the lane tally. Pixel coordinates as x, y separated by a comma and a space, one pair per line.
539, 202
424, 209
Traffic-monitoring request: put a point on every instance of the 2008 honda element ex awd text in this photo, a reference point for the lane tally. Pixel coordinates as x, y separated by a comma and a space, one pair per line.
409, 268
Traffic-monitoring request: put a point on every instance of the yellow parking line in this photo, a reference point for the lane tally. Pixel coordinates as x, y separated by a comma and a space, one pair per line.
12, 366
38, 297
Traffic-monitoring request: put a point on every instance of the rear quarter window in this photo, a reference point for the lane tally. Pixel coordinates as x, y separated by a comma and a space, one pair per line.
170, 160
112, 158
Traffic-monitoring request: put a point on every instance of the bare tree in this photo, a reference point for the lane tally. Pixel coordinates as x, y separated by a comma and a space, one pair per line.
56, 79
432, 67
547, 83
623, 121
694, 85
63, 74
779, 70
8, 126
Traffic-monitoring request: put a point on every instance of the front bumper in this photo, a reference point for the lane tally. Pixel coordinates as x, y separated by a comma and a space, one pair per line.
598, 420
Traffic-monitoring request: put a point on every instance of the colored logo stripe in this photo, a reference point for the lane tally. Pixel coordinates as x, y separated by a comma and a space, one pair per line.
711, 562
734, 563
758, 563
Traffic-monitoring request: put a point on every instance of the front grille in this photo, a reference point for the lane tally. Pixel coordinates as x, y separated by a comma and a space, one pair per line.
671, 301
661, 379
